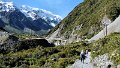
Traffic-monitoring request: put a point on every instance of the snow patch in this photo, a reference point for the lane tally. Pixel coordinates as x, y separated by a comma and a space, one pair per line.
52, 24
7, 6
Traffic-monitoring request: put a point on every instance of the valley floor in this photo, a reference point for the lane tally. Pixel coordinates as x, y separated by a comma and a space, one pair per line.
32, 54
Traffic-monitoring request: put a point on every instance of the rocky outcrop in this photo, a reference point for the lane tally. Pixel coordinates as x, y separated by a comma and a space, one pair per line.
33, 43
10, 43
57, 39
3, 37
102, 61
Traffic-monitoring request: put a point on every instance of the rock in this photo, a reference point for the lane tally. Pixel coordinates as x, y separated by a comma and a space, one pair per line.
8, 44
118, 66
103, 61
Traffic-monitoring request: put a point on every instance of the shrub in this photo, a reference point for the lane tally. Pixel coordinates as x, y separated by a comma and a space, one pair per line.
64, 62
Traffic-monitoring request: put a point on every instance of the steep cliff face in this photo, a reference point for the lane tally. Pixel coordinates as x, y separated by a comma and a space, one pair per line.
86, 20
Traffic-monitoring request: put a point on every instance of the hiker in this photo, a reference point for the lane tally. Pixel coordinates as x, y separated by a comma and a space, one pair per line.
86, 52
82, 56
109, 66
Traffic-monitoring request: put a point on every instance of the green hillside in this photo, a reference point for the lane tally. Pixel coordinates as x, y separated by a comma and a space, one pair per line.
89, 14
110, 45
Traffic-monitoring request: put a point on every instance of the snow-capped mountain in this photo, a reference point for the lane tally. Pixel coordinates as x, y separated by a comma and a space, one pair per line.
36, 13
6, 6
26, 19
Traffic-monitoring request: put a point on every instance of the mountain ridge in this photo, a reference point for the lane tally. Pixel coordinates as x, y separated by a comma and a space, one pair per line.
18, 21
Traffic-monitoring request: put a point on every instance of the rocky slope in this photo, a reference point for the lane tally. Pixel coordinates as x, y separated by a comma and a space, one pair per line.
102, 61
26, 19
107, 50
86, 20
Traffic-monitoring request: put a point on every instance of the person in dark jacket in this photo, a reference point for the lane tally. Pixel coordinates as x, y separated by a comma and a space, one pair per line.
82, 56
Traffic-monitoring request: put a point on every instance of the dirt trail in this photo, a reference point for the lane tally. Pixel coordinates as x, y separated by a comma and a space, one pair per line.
86, 64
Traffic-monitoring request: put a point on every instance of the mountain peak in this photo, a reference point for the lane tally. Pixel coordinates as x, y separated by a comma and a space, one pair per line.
7, 6
29, 8
36, 13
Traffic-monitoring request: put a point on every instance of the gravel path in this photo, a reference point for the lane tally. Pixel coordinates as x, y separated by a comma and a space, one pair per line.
86, 64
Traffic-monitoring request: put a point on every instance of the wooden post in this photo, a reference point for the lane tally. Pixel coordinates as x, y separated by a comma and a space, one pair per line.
106, 29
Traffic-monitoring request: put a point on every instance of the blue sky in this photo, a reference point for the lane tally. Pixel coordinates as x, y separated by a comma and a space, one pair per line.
59, 7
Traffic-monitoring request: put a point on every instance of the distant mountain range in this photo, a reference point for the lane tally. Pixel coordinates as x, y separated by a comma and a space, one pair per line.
26, 19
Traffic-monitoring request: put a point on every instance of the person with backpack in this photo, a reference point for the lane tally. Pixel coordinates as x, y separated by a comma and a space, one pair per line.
82, 56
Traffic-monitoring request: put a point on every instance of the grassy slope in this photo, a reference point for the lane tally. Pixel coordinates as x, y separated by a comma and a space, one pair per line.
110, 45
89, 14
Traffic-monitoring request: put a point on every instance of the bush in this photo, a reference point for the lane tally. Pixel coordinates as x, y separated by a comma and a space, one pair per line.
24, 66
64, 62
